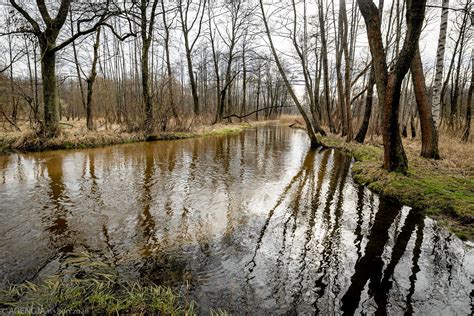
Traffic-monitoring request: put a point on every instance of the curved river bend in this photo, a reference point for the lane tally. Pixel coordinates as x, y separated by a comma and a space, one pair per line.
251, 223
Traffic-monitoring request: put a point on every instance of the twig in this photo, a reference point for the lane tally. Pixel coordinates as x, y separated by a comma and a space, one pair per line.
9, 121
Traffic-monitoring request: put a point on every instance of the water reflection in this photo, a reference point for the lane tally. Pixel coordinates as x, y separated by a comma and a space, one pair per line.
252, 223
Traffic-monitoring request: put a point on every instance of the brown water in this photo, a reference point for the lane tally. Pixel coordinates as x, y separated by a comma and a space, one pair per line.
252, 223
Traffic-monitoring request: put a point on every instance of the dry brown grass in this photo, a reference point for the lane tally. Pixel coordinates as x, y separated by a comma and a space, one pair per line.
74, 134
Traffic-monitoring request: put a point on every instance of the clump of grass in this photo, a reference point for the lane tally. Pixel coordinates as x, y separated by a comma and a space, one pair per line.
85, 285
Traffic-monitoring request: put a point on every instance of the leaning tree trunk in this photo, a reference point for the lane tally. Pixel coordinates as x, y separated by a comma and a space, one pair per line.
369, 99
50, 92
436, 107
429, 135
309, 126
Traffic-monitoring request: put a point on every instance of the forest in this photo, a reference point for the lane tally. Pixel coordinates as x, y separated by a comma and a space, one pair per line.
275, 119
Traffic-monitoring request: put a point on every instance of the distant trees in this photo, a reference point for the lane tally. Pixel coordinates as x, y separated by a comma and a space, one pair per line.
152, 65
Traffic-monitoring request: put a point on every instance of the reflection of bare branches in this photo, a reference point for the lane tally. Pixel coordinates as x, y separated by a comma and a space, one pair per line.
340, 170
309, 158
315, 202
314, 192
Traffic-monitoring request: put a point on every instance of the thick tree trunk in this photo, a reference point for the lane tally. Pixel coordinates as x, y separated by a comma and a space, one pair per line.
369, 99
429, 135
389, 84
395, 158
50, 93
147, 100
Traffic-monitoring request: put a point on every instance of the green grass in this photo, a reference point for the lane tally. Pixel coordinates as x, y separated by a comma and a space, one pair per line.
444, 196
88, 285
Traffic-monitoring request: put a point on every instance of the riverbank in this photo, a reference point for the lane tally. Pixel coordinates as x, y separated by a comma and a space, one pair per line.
74, 135
84, 283
444, 189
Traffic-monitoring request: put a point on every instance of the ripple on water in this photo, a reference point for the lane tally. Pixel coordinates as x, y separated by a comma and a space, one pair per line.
252, 223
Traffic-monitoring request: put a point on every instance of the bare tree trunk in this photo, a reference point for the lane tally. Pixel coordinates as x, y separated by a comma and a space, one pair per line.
168, 60
467, 126
440, 63
325, 66
184, 9
347, 71
146, 31
369, 99
90, 82
429, 135
78, 67
50, 92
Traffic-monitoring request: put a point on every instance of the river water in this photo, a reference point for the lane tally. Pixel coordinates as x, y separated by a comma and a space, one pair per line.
253, 223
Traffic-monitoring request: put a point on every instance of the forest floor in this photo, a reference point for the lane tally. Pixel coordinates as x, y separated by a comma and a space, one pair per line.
74, 135
443, 188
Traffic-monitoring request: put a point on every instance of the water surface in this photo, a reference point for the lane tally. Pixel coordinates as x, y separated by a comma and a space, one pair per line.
252, 223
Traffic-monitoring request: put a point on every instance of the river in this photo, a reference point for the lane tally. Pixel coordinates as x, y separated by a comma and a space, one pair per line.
252, 223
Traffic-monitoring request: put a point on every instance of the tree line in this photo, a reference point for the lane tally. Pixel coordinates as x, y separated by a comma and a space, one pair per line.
352, 68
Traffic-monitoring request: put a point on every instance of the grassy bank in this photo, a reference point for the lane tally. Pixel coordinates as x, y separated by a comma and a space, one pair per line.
443, 188
75, 135
85, 284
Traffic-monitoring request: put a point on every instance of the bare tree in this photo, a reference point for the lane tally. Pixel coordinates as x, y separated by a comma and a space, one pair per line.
389, 83
443, 28
90, 82
188, 25
309, 126
429, 135
47, 37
